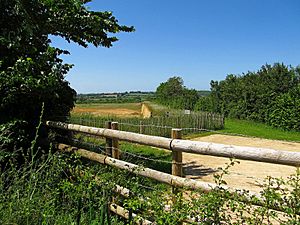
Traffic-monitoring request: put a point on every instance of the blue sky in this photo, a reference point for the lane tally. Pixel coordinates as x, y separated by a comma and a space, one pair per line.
195, 39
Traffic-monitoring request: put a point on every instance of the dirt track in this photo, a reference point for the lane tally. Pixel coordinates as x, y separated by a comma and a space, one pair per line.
246, 175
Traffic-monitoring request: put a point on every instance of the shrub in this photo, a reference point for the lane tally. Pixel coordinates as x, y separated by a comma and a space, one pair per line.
285, 111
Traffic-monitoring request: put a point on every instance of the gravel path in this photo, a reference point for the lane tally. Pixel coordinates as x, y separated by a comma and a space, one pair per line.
245, 175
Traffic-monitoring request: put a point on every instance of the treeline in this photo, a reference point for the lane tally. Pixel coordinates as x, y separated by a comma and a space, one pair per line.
270, 95
174, 94
117, 97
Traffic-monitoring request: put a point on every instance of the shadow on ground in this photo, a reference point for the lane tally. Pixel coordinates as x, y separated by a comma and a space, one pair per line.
196, 171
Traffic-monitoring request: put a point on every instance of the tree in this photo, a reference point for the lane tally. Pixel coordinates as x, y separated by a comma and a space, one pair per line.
31, 72
284, 111
174, 94
190, 97
251, 95
204, 103
170, 90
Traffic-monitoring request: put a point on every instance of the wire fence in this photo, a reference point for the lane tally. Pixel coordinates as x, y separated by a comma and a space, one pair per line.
158, 126
129, 156
126, 155
151, 129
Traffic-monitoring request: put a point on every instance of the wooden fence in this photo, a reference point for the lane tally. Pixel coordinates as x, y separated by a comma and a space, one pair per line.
177, 146
157, 125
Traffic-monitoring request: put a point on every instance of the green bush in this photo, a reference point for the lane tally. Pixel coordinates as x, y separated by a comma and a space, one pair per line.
13, 141
252, 95
285, 111
204, 104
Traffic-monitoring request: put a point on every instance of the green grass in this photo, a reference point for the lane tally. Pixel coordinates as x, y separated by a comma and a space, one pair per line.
56, 190
157, 109
146, 156
250, 128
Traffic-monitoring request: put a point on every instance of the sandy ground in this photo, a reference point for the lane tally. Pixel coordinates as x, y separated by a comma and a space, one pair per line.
145, 111
107, 111
245, 175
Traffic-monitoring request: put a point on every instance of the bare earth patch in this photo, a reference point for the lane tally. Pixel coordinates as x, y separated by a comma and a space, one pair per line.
145, 111
246, 175
107, 111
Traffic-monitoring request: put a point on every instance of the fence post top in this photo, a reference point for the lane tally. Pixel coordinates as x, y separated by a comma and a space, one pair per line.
176, 129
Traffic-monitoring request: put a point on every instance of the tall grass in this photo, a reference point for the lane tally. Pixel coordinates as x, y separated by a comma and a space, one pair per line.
65, 189
53, 190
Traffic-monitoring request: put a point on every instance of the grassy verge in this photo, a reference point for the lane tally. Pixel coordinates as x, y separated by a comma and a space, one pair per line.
250, 128
156, 109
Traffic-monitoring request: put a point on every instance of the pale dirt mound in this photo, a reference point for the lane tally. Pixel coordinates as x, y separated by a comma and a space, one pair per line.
107, 111
246, 175
145, 111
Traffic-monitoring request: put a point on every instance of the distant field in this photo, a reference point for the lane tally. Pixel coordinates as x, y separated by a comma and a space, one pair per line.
232, 126
102, 109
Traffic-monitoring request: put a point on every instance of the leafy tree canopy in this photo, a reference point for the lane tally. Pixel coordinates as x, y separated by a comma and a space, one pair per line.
174, 94
31, 70
170, 89
267, 95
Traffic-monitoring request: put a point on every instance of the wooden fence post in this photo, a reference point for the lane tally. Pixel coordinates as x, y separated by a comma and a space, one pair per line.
176, 167
108, 146
142, 128
115, 142
176, 155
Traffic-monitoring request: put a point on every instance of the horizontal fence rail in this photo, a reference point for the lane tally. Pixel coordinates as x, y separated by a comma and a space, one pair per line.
162, 177
196, 147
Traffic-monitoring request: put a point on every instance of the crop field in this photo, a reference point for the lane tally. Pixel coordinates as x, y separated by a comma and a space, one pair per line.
104, 109
141, 118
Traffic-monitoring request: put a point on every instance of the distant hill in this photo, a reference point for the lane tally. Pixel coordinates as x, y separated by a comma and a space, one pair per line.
120, 97
115, 97
203, 93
